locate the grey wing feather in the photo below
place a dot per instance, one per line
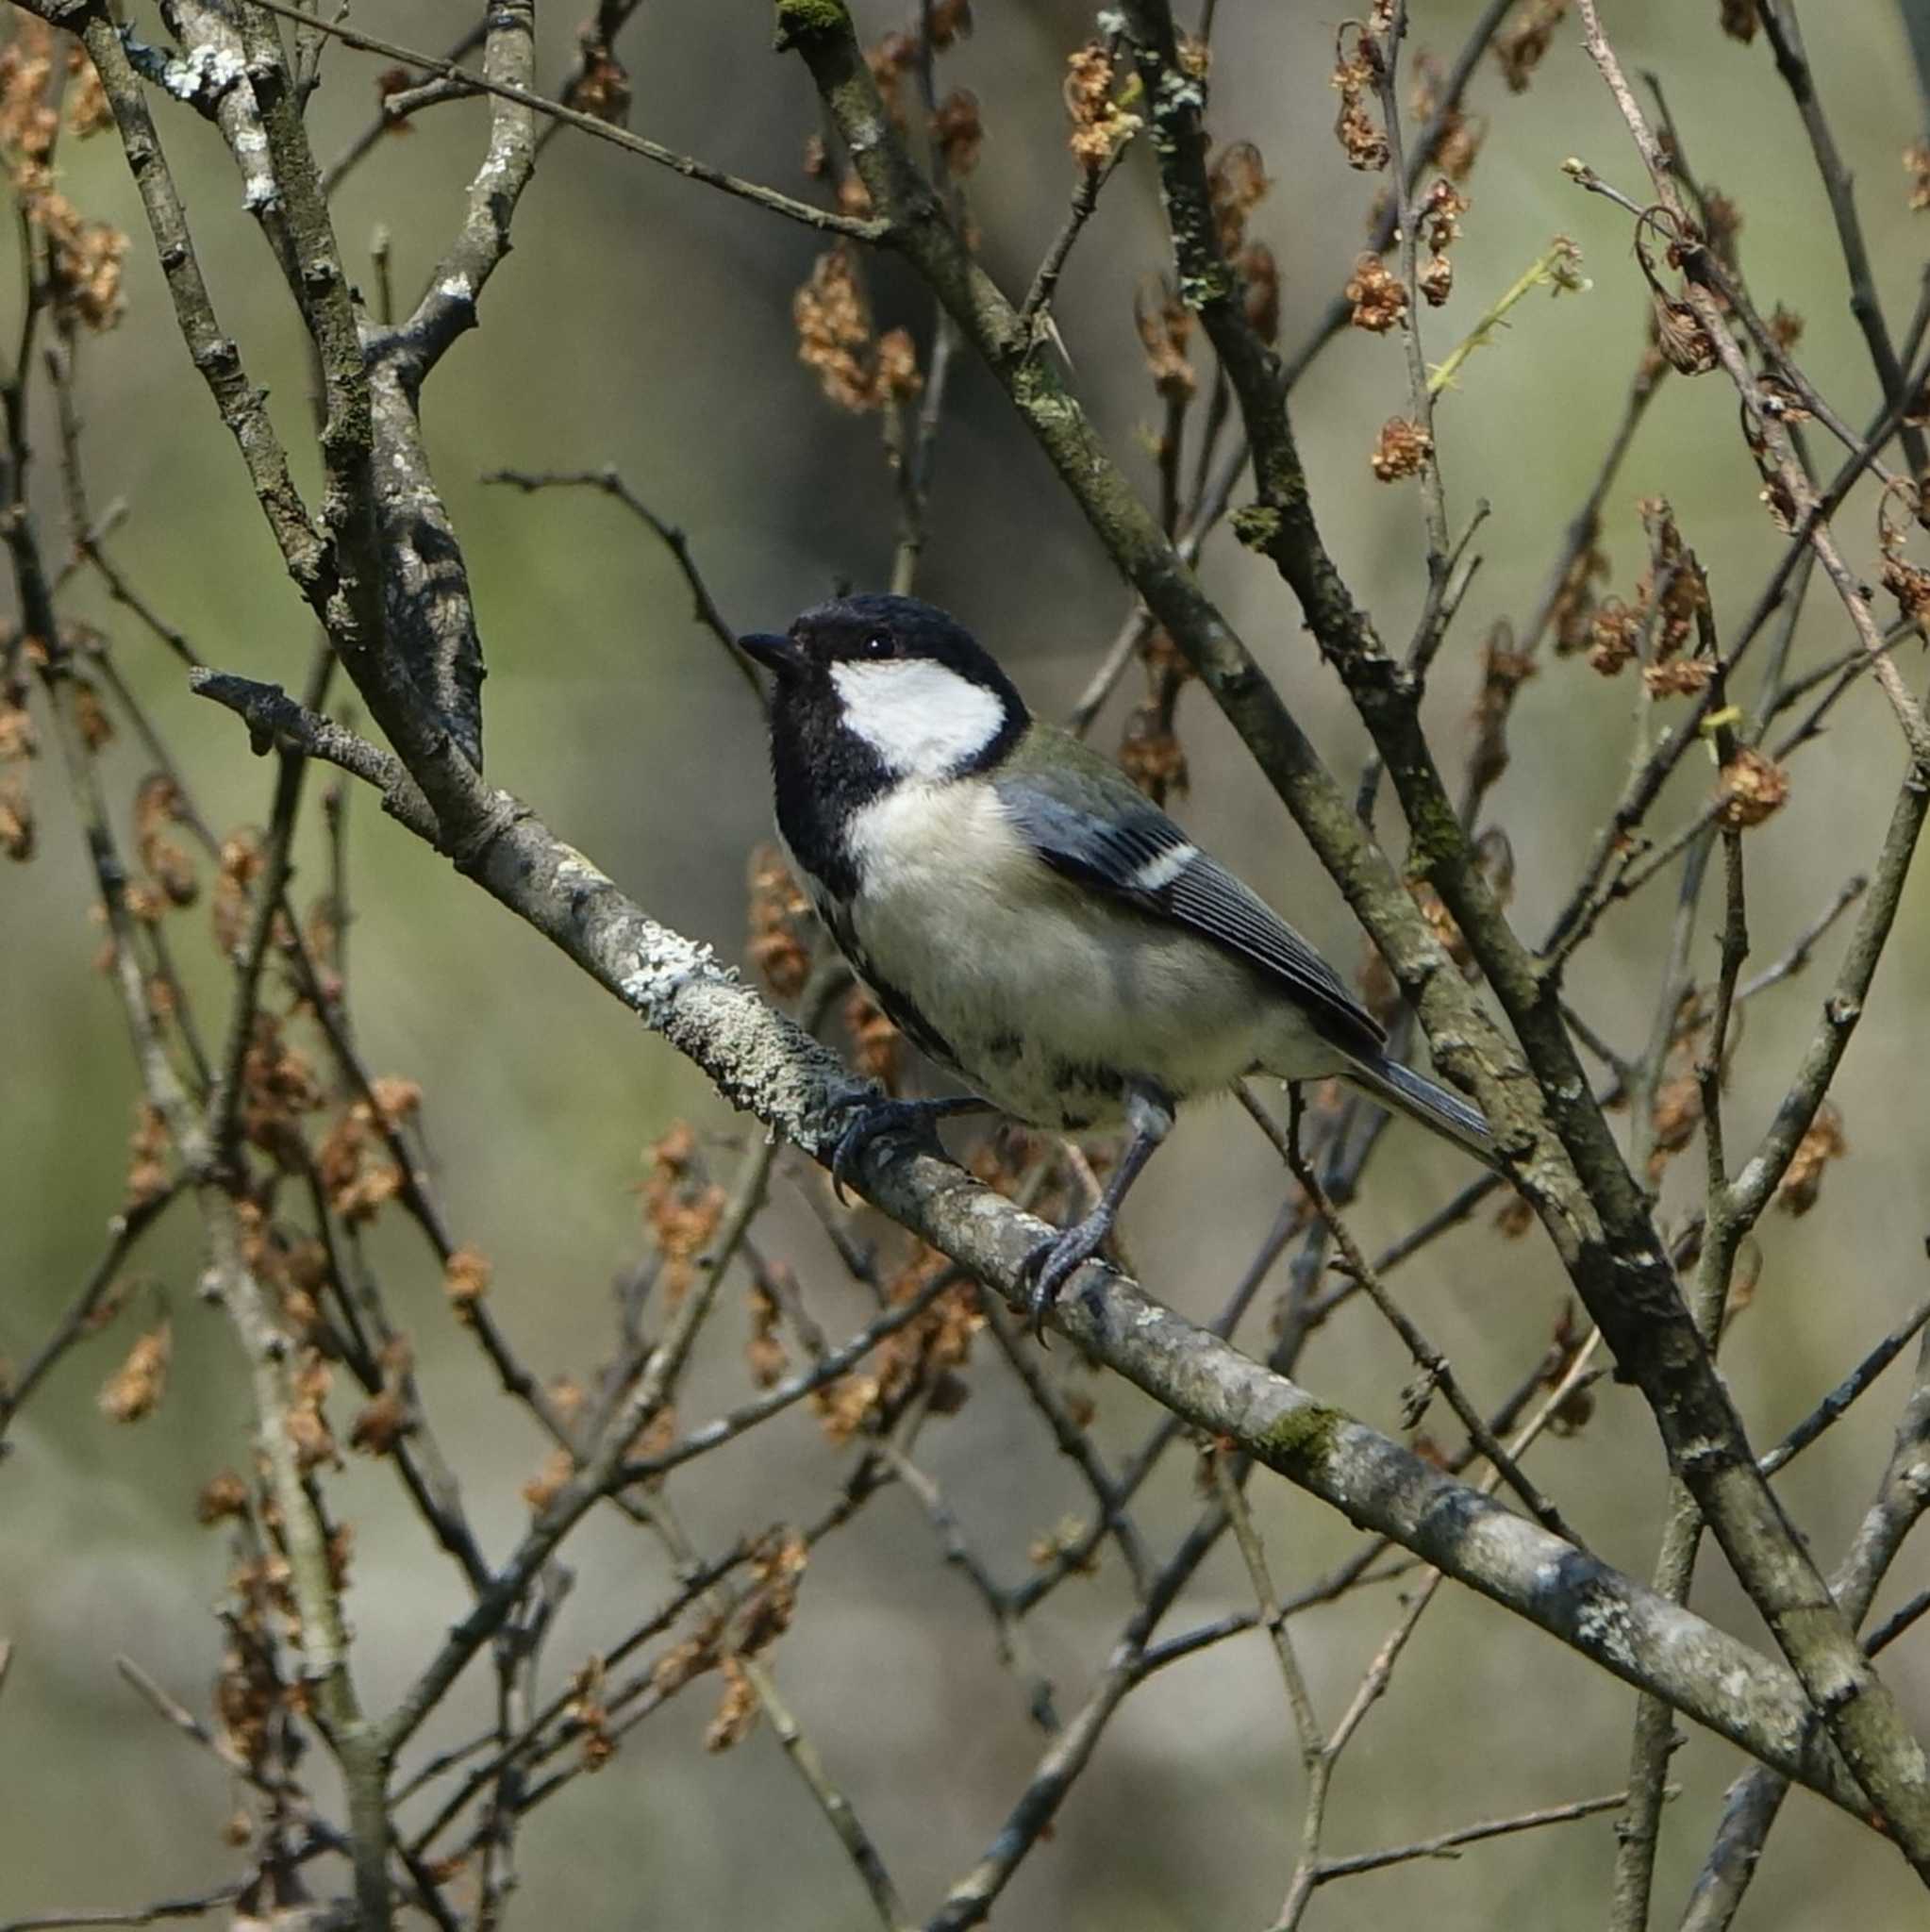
(1122, 853)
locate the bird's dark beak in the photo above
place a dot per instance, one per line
(776, 654)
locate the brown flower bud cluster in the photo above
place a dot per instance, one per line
(1722, 221)
(776, 1569)
(1066, 1539)
(1504, 670)
(1676, 1115)
(1522, 42)
(279, 1087)
(957, 131)
(540, 1492)
(1150, 753)
(384, 1419)
(1679, 334)
(17, 829)
(949, 22)
(1166, 326)
(466, 1276)
(852, 195)
(1099, 124)
(1802, 1181)
(1378, 294)
(1615, 634)
(158, 807)
(893, 60)
(781, 922)
(765, 1355)
(586, 1709)
(834, 339)
(18, 737)
(1669, 597)
(1572, 613)
(1751, 788)
(1917, 166)
(1678, 1111)
(1673, 586)
(1400, 449)
(354, 1162)
(896, 58)
(1440, 218)
(1356, 76)
(248, 1694)
(681, 1207)
(1461, 134)
(231, 905)
(83, 259)
(1236, 183)
(926, 1353)
(88, 113)
(600, 88)
(1785, 328)
(308, 1416)
(877, 1048)
(1681, 678)
(224, 1497)
(778, 1564)
(133, 1390)
(91, 723)
(147, 1157)
(1908, 582)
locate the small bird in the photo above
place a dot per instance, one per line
(1031, 919)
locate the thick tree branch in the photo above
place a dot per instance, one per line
(760, 1061)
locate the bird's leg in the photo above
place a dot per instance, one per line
(1054, 1262)
(879, 1116)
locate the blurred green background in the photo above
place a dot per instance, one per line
(645, 322)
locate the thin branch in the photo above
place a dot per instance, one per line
(766, 198)
(1839, 1400)
(1035, 312)
(1448, 1843)
(673, 539)
(1429, 1359)
(125, 1231)
(1785, 36)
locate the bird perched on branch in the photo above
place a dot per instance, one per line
(1029, 918)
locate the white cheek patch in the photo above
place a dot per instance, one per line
(922, 718)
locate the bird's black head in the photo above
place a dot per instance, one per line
(872, 692)
(874, 628)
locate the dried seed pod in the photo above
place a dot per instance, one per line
(1520, 45)
(1400, 449)
(1379, 295)
(1682, 338)
(959, 131)
(1752, 787)
(1802, 1181)
(1165, 326)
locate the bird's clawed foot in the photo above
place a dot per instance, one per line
(879, 1118)
(1058, 1259)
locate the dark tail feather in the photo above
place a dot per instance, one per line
(1432, 1104)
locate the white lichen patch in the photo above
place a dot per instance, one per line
(204, 75)
(665, 966)
(1602, 1626)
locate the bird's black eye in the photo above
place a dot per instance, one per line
(878, 644)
